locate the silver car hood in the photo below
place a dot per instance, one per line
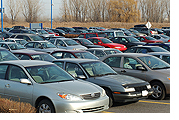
(120, 79)
(73, 87)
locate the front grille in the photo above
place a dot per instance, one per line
(96, 109)
(91, 96)
(140, 88)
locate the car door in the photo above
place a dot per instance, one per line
(129, 66)
(60, 44)
(3, 69)
(14, 89)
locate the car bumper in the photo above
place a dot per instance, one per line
(131, 96)
(167, 87)
(86, 106)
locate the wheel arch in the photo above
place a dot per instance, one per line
(156, 80)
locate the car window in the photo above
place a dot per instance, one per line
(23, 57)
(130, 50)
(29, 45)
(113, 61)
(130, 63)
(4, 46)
(5, 55)
(59, 63)
(58, 55)
(90, 35)
(81, 36)
(37, 45)
(74, 69)
(68, 55)
(60, 43)
(99, 53)
(166, 58)
(141, 50)
(3, 69)
(16, 73)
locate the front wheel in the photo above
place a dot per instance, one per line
(159, 91)
(45, 106)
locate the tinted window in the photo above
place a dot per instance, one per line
(29, 45)
(73, 69)
(3, 69)
(113, 61)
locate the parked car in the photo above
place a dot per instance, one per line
(27, 37)
(51, 32)
(101, 52)
(162, 37)
(5, 55)
(67, 43)
(18, 27)
(163, 45)
(12, 46)
(114, 33)
(59, 54)
(146, 30)
(119, 88)
(89, 35)
(21, 31)
(148, 39)
(59, 31)
(33, 55)
(66, 29)
(137, 33)
(86, 43)
(128, 41)
(43, 46)
(20, 41)
(107, 43)
(42, 33)
(145, 49)
(49, 88)
(162, 55)
(143, 66)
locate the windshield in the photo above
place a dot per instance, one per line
(48, 74)
(36, 38)
(112, 51)
(42, 32)
(154, 62)
(44, 57)
(86, 42)
(132, 39)
(16, 46)
(48, 45)
(22, 42)
(105, 40)
(98, 69)
(158, 49)
(6, 55)
(71, 42)
(86, 55)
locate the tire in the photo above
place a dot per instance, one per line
(109, 94)
(159, 91)
(45, 106)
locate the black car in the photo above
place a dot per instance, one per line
(66, 29)
(128, 41)
(145, 49)
(86, 43)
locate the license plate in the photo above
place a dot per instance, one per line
(144, 93)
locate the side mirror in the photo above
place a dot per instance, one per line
(140, 68)
(81, 77)
(25, 81)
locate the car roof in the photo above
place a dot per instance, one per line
(29, 52)
(75, 60)
(26, 63)
(9, 42)
(72, 51)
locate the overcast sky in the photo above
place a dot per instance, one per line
(47, 6)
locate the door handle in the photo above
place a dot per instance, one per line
(8, 86)
(123, 71)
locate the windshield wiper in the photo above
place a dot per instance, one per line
(55, 81)
(105, 74)
(160, 68)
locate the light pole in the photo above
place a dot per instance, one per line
(51, 13)
(1, 16)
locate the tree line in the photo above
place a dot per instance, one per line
(94, 10)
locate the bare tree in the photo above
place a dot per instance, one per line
(32, 9)
(13, 8)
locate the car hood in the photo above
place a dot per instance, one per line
(120, 79)
(73, 87)
(139, 43)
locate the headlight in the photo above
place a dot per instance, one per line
(103, 93)
(148, 86)
(129, 89)
(69, 97)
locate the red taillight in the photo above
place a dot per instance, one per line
(168, 40)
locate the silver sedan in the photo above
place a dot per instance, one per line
(49, 88)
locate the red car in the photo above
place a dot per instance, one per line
(51, 32)
(33, 55)
(148, 39)
(88, 35)
(107, 43)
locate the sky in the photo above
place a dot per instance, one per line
(47, 6)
